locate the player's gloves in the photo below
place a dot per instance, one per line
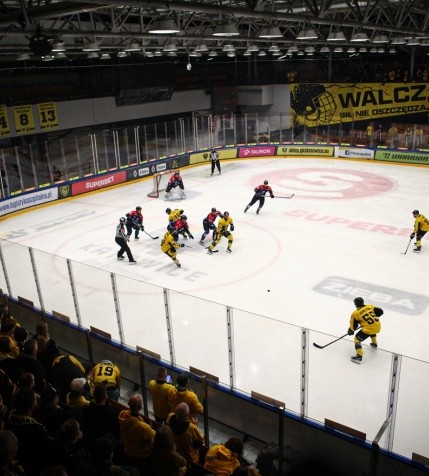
(350, 332)
(232, 227)
(141, 227)
(412, 236)
(182, 245)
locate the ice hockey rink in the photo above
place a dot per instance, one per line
(301, 261)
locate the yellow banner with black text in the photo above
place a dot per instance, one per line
(332, 103)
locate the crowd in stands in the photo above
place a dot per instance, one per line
(62, 417)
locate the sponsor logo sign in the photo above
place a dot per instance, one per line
(404, 157)
(103, 181)
(354, 153)
(396, 300)
(28, 200)
(64, 191)
(306, 150)
(256, 151)
(314, 182)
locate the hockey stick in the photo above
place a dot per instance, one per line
(153, 237)
(336, 340)
(290, 196)
(409, 243)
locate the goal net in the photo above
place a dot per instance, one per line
(160, 181)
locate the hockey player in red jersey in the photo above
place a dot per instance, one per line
(260, 193)
(175, 181)
(208, 224)
(135, 221)
(181, 227)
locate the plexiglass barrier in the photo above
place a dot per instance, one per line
(77, 155)
(247, 352)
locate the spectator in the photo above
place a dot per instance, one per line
(34, 442)
(7, 362)
(223, 459)
(137, 436)
(75, 400)
(99, 462)
(165, 460)
(182, 393)
(54, 471)
(47, 348)
(108, 373)
(419, 136)
(20, 335)
(6, 397)
(68, 446)
(393, 135)
(48, 412)
(159, 389)
(245, 470)
(27, 362)
(7, 330)
(8, 450)
(186, 434)
(64, 369)
(100, 419)
(5, 312)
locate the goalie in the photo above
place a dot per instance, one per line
(134, 222)
(174, 182)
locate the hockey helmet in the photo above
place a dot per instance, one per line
(122, 220)
(181, 211)
(359, 302)
(138, 208)
(177, 172)
(265, 182)
(416, 212)
(184, 217)
(225, 213)
(168, 210)
(213, 210)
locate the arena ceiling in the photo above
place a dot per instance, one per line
(106, 29)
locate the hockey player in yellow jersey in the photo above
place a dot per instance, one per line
(222, 230)
(421, 227)
(366, 319)
(108, 374)
(169, 246)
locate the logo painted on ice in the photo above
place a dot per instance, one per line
(327, 183)
(387, 298)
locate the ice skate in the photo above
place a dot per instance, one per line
(229, 250)
(373, 346)
(257, 211)
(120, 257)
(209, 251)
(417, 249)
(245, 210)
(201, 242)
(133, 261)
(357, 359)
(178, 264)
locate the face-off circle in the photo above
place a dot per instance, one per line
(325, 184)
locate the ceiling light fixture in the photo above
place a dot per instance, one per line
(164, 27)
(309, 34)
(359, 36)
(226, 29)
(378, 39)
(336, 36)
(23, 57)
(91, 47)
(133, 47)
(59, 47)
(270, 32)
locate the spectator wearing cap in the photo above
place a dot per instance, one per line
(27, 362)
(159, 390)
(8, 330)
(109, 374)
(8, 450)
(34, 442)
(48, 411)
(75, 400)
(182, 393)
(186, 434)
(64, 369)
(99, 461)
(137, 436)
(100, 419)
